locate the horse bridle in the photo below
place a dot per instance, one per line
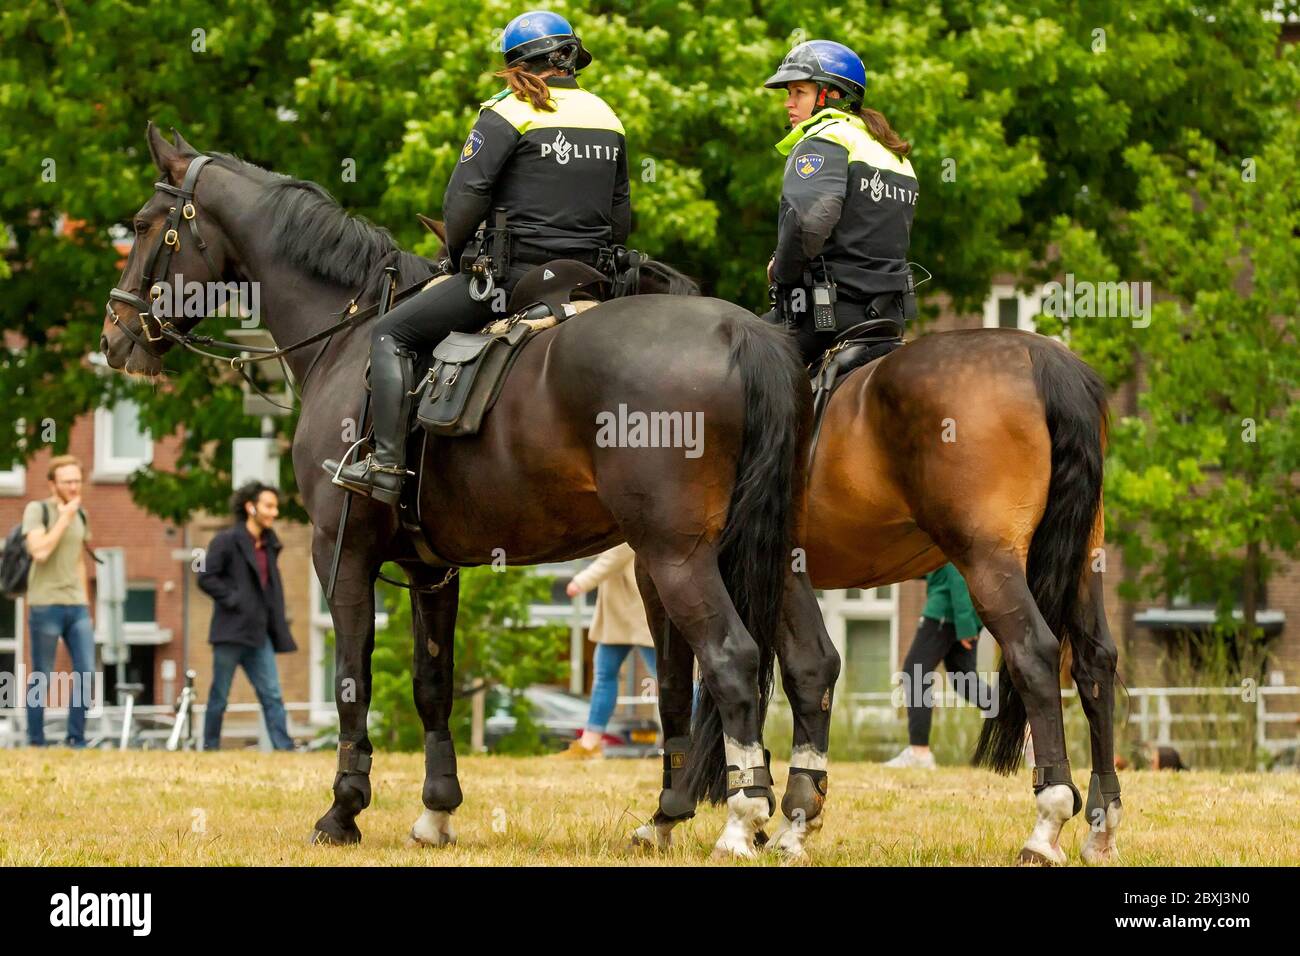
(155, 268)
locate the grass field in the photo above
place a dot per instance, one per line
(59, 807)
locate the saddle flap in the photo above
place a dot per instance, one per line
(466, 377)
(461, 347)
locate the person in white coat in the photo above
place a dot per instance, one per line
(619, 625)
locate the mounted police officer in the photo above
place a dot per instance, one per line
(847, 203)
(545, 167)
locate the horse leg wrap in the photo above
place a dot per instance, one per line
(675, 802)
(353, 760)
(352, 782)
(805, 793)
(755, 781)
(441, 787)
(1058, 774)
(1103, 789)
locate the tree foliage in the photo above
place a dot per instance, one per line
(1048, 136)
(1201, 488)
(494, 646)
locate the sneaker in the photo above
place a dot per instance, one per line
(576, 751)
(908, 758)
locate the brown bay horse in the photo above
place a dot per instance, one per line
(983, 447)
(712, 530)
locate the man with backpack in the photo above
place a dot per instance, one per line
(58, 598)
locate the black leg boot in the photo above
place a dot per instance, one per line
(380, 475)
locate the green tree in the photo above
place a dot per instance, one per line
(1019, 113)
(1201, 487)
(494, 646)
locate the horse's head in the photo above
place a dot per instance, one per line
(175, 244)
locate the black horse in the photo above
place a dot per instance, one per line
(541, 482)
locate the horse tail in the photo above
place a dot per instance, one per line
(754, 549)
(1074, 401)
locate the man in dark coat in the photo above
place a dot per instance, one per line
(249, 628)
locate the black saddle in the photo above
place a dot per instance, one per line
(554, 285)
(854, 347)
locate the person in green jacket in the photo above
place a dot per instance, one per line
(948, 632)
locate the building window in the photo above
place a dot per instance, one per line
(13, 481)
(1008, 308)
(867, 657)
(11, 629)
(141, 605)
(121, 444)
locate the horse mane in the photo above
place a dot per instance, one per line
(313, 232)
(679, 283)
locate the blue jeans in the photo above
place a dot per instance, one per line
(48, 623)
(259, 665)
(606, 663)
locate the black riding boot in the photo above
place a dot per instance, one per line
(380, 475)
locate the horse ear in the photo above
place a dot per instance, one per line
(179, 141)
(436, 226)
(172, 161)
(163, 152)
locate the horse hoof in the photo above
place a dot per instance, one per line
(1031, 857)
(441, 840)
(1099, 855)
(726, 852)
(347, 837)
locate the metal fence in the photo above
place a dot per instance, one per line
(152, 725)
(1159, 715)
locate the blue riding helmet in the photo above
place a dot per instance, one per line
(825, 63)
(539, 32)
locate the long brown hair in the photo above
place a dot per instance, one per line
(528, 87)
(883, 132)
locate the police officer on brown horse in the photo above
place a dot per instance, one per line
(545, 167)
(847, 203)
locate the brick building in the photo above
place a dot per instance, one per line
(872, 629)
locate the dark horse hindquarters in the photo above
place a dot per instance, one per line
(741, 415)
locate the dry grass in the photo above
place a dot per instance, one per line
(60, 807)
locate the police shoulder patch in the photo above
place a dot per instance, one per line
(472, 145)
(808, 164)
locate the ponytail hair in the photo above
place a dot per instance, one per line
(528, 87)
(883, 132)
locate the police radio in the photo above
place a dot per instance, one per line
(822, 286)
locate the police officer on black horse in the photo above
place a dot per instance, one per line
(545, 167)
(847, 203)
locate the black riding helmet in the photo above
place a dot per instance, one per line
(826, 63)
(542, 35)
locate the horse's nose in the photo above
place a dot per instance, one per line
(103, 343)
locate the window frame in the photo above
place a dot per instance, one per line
(108, 466)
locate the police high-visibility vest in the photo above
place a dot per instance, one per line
(561, 176)
(847, 198)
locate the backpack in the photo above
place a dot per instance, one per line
(15, 562)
